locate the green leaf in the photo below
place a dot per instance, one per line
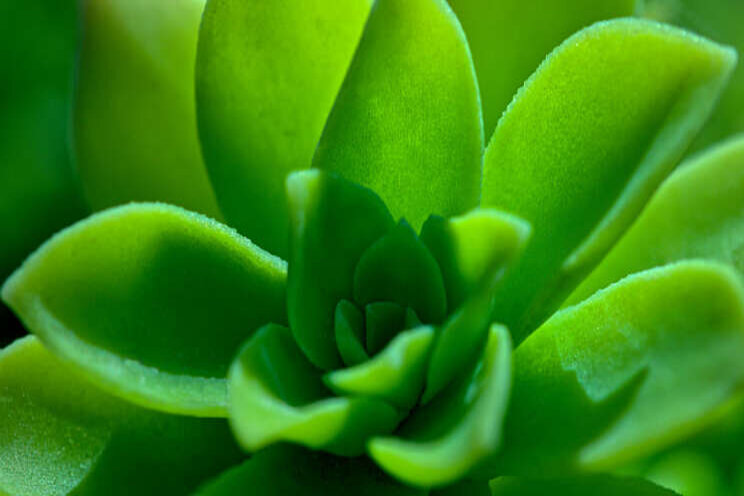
(348, 326)
(696, 213)
(688, 473)
(135, 136)
(151, 301)
(383, 320)
(288, 470)
(266, 78)
(399, 268)
(276, 395)
(584, 144)
(509, 39)
(632, 369)
(443, 441)
(395, 375)
(407, 121)
(333, 221)
(60, 435)
(587, 485)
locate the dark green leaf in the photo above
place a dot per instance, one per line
(588, 485)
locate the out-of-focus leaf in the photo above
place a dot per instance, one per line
(636, 367)
(688, 473)
(333, 222)
(698, 212)
(289, 470)
(587, 485)
(276, 395)
(510, 38)
(266, 78)
(444, 440)
(151, 301)
(61, 435)
(584, 144)
(407, 121)
(135, 117)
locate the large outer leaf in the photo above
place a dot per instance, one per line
(151, 301)
(509, 39)
(267, 74)
(60, 435)
(697, 213)
(585, 143)
(636, 367)
(407, 121)
(135, 123)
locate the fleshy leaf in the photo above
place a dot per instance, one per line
(333, 221)
(585, 143)
(267, 75)
(509, 39)
(447, 438)
(400, 269)
(407, 122)
(586, 485)
(696, 213)
(151, 301)
(135, 130)
(472, 247)
(395, 375)
(383, 320)
(688, 473)
(289, 470)
(634, 368)
(348, 326)
(60, 435)
(276, 395)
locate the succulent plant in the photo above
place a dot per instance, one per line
(331, 283)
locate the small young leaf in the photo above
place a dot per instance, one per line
(266, 77)
(634, 368)
(151, 301)
(348, 326)
(134, 117)
(447, 438)
(61, 435)
(333, 221)
(586, 485)
(276, 395)
(383, 320)
(698, 212)
(407, 122)
(585, 143)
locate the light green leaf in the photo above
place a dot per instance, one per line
(698, 212)
(135, 136)
(151, 301)
(587, 485)
(395, 375)
(399, 268)
(443, 441)
(632, 369)
(61, 435)
(276, 395)
(289, 470)
(407, 121)
(267, 74)
(333, 221)
(510, 38)
(348, 326)
(584, 144)
(688, 473)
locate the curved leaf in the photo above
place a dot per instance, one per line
(688, 473)
(587, 485)
(407, 121)
(276, 395)
(60, 435)
(633, 368)
(284, 470)
(443, 441)
(134, 116)
(266, 77)
(585, 143)
(333, 221)
(395, 375)
(348, 326)
(698, 212)
(510, 38)
(151, 301)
